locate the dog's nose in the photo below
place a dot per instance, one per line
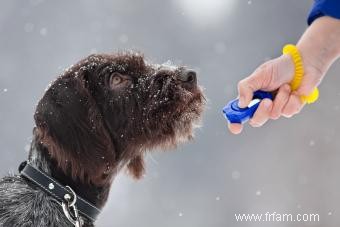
(188, 76)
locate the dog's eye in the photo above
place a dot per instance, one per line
(118, 80)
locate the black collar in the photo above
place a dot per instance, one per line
(57, 190)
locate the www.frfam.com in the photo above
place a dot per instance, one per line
(276, 217)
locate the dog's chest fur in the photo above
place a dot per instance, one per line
(23, 206)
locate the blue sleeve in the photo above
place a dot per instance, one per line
(324, 8)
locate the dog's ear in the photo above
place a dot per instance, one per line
(70, 124)
(135, 167)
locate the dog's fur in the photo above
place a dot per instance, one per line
(101, 115)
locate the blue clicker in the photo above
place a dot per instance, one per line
(235, 114)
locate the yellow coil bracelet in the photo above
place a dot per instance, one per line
(299, 73)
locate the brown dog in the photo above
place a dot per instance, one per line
(101, 115)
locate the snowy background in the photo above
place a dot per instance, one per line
(287, 166)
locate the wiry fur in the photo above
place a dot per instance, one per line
(23, 204)
(89, 126)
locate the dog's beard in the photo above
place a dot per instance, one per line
(190, 114)
(182, 110)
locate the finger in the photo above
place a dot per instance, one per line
(280, 101)
(293, 106)
(262, 113)
(235, 128)
(249, 85)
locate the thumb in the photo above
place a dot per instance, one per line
(249, 85)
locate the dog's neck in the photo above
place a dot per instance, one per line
(40, 158)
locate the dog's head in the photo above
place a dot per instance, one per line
(105, 111)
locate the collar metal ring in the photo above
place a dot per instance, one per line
(69, 208)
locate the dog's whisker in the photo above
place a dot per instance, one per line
(152, 159)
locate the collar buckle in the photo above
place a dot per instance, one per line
(70, 209)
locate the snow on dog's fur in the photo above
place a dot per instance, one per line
(100, 116)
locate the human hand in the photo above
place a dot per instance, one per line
(275, 75)
(319, 47)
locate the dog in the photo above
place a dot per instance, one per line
(99, 117)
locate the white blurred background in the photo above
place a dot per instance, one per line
(287, 166)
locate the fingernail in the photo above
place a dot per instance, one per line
(267, 103)
(241, 102)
